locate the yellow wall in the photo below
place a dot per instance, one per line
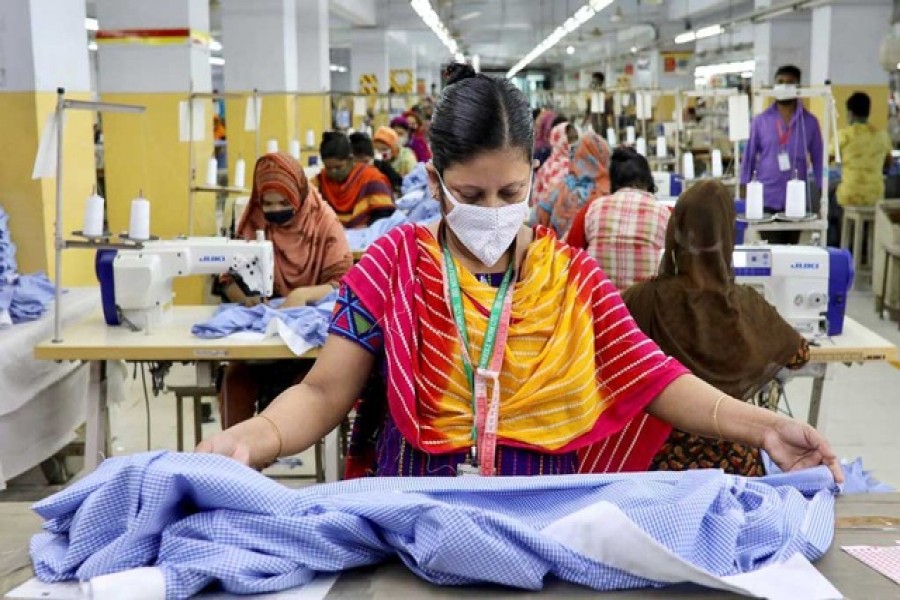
(143, 153)
(284, 118)
(31, 204)
(878, 116)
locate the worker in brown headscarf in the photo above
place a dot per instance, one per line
(726, 334)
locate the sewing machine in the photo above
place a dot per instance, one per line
(136, 285)
(807, 285)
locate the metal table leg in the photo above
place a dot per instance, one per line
(815, 398)
(96, 443)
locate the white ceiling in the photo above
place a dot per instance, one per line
(502, 31)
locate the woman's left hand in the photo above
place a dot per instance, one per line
(794, 445)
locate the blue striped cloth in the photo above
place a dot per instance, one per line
(204, 518)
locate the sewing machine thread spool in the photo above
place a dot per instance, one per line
(661, 149)
(795, 205)
(272, 146)
(240, 173)
(212, 172)
(687, 165)
(641, 146)
(139, 225)
(294, 149)
(93, 216)
(310, 138)
(611, 137)
(717, 169)
(629, 135)
(754, 200)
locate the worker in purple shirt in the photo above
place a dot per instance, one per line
(781, 139)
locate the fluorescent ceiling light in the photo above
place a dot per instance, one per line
(337, 68)
(711, 31)
(91, 24)
(215, 45)
(581, 16)
(426, 12)
(743, 67)
(570, 50)
(700, 34)
(216, 61)
(92, 46)
(470, 15)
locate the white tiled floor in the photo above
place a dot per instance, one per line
(860, 410)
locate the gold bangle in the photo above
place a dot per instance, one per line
(277, 434)
(715, 415)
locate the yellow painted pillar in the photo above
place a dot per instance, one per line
(51, 51)
(845, 44)
(154, 54)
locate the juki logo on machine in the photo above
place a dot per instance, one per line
(209, 258)
(805, 266)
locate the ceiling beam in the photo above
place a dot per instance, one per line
(360, 13)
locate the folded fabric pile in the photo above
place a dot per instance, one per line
(416, 180)
(23, 298)
(420, 207)
(360, 239)
(309, 323)
(196, 520)
(857, 480)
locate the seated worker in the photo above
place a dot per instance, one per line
(626, 231)
(364, 154)
(865, 152)
(311, 257)
(572, 368)
(588, 178)
(359, 194)
(726, 334)
(555, 169)
(418, 140)
(401, 158)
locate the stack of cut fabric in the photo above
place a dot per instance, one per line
(186, 521)
(22, 297)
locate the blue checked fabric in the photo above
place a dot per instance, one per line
(204, 518)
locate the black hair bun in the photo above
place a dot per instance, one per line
(457, 72)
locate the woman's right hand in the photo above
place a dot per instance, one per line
(227, 443)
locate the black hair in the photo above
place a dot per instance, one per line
(335, 145)
(534, 113)
(628, 169)
(478, 113)
(598, 76)
(859, 104)
(790, 70)
(361, 145)
(558, 120)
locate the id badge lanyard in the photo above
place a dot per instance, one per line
(784, 138)
(485, 415)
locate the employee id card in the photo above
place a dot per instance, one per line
(784, 161)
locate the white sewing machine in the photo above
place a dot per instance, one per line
(142, 278)
(793, 279)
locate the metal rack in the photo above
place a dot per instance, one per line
(193, 188)
(95, 243)
(717, 93)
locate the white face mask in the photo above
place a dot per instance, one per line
(404, 140)
(785, 91)
(381, 156)
(486, 232)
